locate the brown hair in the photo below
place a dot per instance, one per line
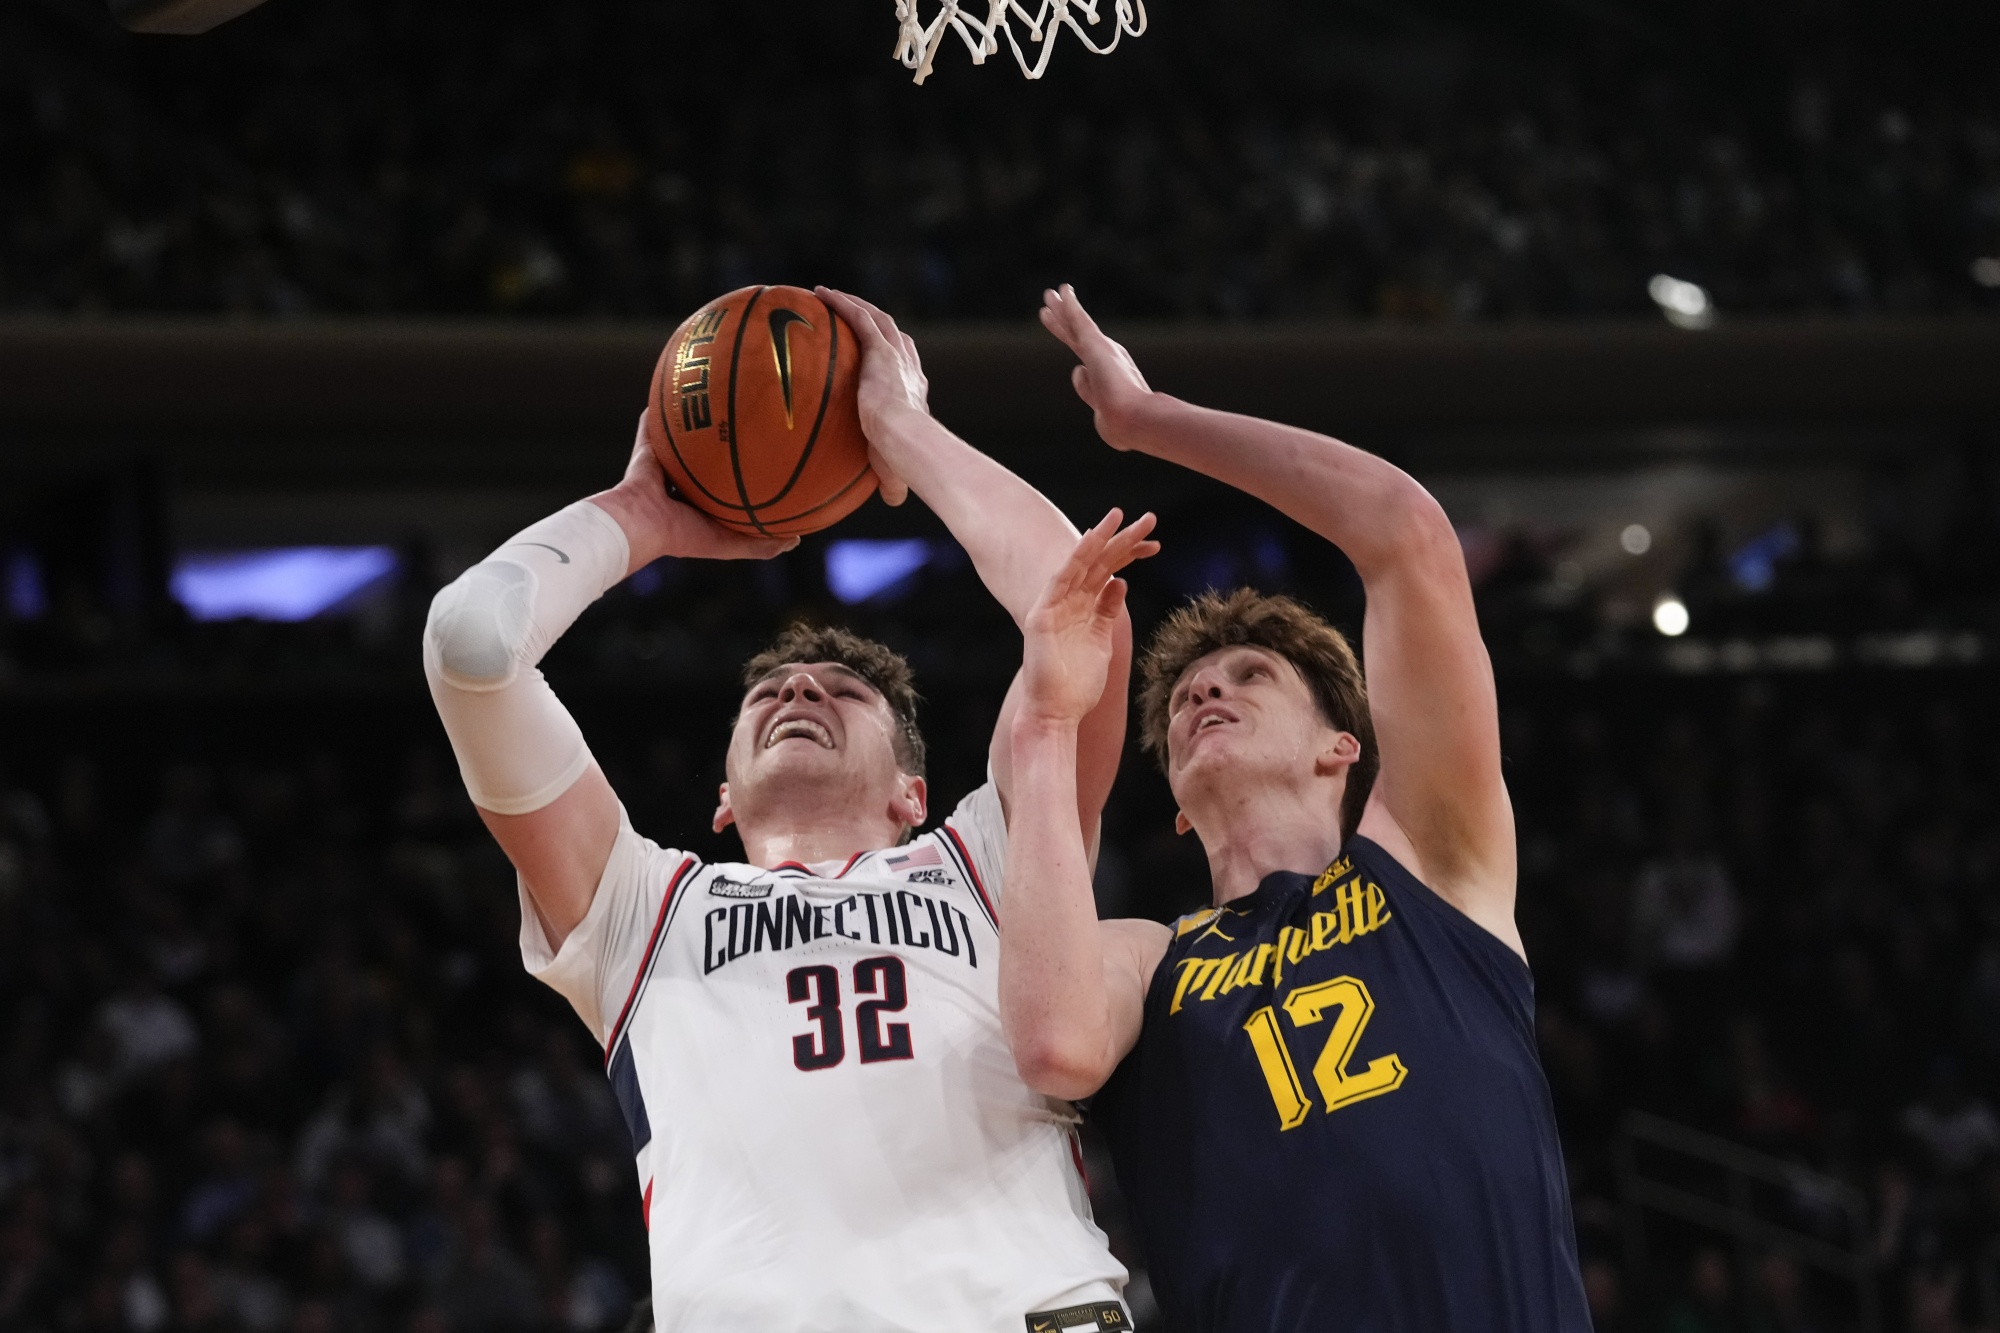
(878, 664)
(1319, 652)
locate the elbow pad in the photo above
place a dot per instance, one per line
(478, 626)
(518, 748)
(506, 611)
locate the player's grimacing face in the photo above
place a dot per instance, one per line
(818, 720)
(1241, 707)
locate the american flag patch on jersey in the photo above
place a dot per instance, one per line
(924, 856)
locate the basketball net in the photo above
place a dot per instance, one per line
(917, 43)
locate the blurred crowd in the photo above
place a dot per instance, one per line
(269, 1061)
(1772, 910)
(1443, 161)
(269, 1065)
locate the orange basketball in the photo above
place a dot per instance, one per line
(754, 415)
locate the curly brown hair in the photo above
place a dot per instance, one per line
(1319, 652)
(877, 663)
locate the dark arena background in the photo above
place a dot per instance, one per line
(1688, 312)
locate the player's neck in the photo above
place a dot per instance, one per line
(1247, 840)
(810, 844)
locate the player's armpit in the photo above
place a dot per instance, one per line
(1133, 949)
(1073, 1059)
(560, 850)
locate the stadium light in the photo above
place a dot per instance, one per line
(288, 583)
(27, 598)
(1986, 270)
(1670, 616)
(1636, 539)
(857, 570)
(1685, 304)
(1753, 567)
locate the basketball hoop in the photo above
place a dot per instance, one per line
(917, 43)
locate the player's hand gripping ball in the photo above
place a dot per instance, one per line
(754, 414)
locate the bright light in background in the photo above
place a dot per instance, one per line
(1636, 539)
(27, 598)
(1986, 270)
(289, 583)
(1670, 616)
(1753, 567)
(1685, 304)
(857, 570)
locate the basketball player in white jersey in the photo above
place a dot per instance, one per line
(830, 1131)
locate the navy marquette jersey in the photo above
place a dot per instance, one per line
(1335, 1119)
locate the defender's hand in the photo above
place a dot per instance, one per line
(1109, 379)
(656, 524)
(1068, 633)
(892, 381)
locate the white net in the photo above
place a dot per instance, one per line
(917, 43)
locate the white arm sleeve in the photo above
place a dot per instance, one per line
(517, 746)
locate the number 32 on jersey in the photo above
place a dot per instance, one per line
(818, 988)
(1347, 999)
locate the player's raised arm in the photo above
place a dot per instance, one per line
(1439, 803)
(524, 761)
(1072, 989)
(1017, 539)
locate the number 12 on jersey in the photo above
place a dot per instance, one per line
(1352, 1006)
(818, 988)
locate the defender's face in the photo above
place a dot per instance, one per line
(816, 724)
(1240, 710)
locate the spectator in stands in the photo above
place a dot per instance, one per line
(1605, 1290)
(372, 159)
(1782, 1306)
(1956, 1130)
(1708, 1304)
(1684, 908)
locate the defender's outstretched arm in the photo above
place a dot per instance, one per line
(523, 759)
(1016, 538)
(1439, 804)
(1072, 988)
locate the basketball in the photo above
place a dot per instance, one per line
(753, 413)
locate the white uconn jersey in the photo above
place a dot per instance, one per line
(831, 1132)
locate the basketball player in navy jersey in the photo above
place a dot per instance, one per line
(1322, 1093)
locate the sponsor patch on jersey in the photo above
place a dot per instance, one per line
(722, 887)
(928, 877)
(1103, 1317)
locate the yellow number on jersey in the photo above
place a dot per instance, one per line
(1337, 1086)
(1279, 1071)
